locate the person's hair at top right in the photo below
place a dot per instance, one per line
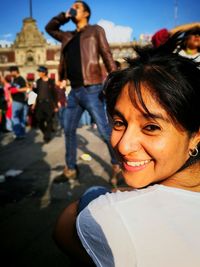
(171, 78)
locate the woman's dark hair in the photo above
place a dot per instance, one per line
(8, 78)
(171, 78)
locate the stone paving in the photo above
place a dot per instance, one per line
(30, 202)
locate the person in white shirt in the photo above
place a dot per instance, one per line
(155, 112)
(191, 44)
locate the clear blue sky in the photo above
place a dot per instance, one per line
(142, 16)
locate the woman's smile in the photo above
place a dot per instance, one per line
(135, 165)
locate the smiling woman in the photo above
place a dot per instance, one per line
(155, 113)
(161, 115)
(154, 107)
(147, 143)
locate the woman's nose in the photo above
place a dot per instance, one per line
(129, 143)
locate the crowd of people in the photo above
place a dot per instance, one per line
(148, 115)
(19, 109)
(35, 115)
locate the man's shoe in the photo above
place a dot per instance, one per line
(66, 176)
(70, 173)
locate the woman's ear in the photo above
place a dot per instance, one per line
(195, 140)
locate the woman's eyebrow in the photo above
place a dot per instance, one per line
(116, 112)
(155, 116)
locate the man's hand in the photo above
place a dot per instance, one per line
(67, 13)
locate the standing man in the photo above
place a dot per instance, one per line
(80, 53)
(19, 103)
(46, 102)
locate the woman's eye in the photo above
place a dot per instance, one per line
(117, 124)
(152, 127)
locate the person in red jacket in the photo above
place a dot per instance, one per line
(8, 98)
(19, 103)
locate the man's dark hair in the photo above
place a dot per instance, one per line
(42, 69)
(14, 68)
(8, 78)
(86, 8)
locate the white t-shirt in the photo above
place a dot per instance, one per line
(154, 227)
(196, 57)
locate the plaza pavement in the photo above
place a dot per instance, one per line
(30, 202)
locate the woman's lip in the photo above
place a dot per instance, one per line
(136, 165)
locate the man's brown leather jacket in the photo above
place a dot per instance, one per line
(93, 44)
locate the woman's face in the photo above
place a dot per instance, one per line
(193, 41)
(151, 149)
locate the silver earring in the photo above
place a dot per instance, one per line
(193, 152)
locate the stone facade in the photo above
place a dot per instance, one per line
(31, 49)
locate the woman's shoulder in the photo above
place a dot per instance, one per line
(111, 200)
(137, 197)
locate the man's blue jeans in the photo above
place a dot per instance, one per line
(61, 114)
(19, 113)
(80, 99)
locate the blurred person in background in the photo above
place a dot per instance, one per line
(190, 47)
(6, 83)
(3, 107)
(19, 103)
(46, 103)
(161, 36)
(62, 101)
